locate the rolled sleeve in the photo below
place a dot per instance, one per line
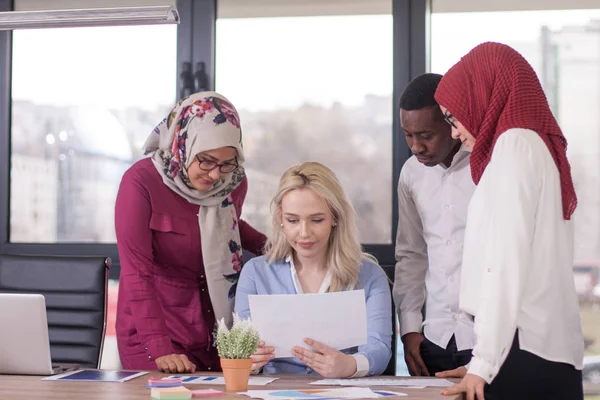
(411, 262)
(362, 366)
(410, 322)
(158, 347)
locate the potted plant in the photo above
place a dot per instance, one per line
(235, 346)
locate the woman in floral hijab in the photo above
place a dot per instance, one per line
(180, 237)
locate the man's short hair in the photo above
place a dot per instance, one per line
(419, 92)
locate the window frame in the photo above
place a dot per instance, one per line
(410, 59)
(196, 42)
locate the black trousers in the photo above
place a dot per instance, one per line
(525, 376)
(438, 359)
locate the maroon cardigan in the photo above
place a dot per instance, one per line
(163, 304)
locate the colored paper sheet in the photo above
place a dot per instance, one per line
(219, 380)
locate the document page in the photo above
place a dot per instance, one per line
(338, 320)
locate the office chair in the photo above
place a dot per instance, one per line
(391, 368)
(75, 289)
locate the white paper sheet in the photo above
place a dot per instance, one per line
(413, 383)
(338, 320)
(308, 394)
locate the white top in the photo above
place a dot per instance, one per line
(298, 286)
(518, 259)
(432, 203)
(362, 362)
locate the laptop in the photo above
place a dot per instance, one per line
(24, 343)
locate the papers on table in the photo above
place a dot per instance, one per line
(386, 393)
(412, 383)
(338, 320)
(219, 380)
(300, 394)
(163, 383)
(172, 389)
(96, 375)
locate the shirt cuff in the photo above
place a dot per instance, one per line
(483, 369)
(410, 322)
(362, 365)
(158, 347)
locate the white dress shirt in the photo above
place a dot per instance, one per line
(433, 204)
(518, 259)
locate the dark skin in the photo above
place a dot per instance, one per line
(429, 137)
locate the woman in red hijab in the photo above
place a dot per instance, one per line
(517, 278)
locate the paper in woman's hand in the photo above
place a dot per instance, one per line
(338, 320)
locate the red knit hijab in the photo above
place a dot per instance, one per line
(493, 89)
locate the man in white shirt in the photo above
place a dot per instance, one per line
(434, 191)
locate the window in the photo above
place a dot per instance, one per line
(83, 102)
(563, 46)
(313, 88)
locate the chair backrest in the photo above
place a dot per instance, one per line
(75, 290)
(391, 368)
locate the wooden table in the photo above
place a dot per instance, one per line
(19, 387)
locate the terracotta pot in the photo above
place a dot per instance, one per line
(236, 374)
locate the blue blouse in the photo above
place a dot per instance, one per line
(259, 277)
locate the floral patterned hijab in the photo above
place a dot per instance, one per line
(201, 122)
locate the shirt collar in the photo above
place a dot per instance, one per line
(462, 153)
(324, 285)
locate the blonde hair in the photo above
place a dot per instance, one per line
(344, 252)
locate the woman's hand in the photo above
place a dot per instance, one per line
(327, 362)
(175, 363)
(262, 356)
(471, 384)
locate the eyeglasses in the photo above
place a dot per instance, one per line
(449, 119)
(207, 165)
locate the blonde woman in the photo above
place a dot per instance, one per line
(314, 248)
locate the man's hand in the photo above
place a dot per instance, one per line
(412, 354)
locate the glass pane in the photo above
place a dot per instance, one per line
(313, 88)
(83, 102)
(563, 46)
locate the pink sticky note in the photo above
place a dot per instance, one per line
(206, 392)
